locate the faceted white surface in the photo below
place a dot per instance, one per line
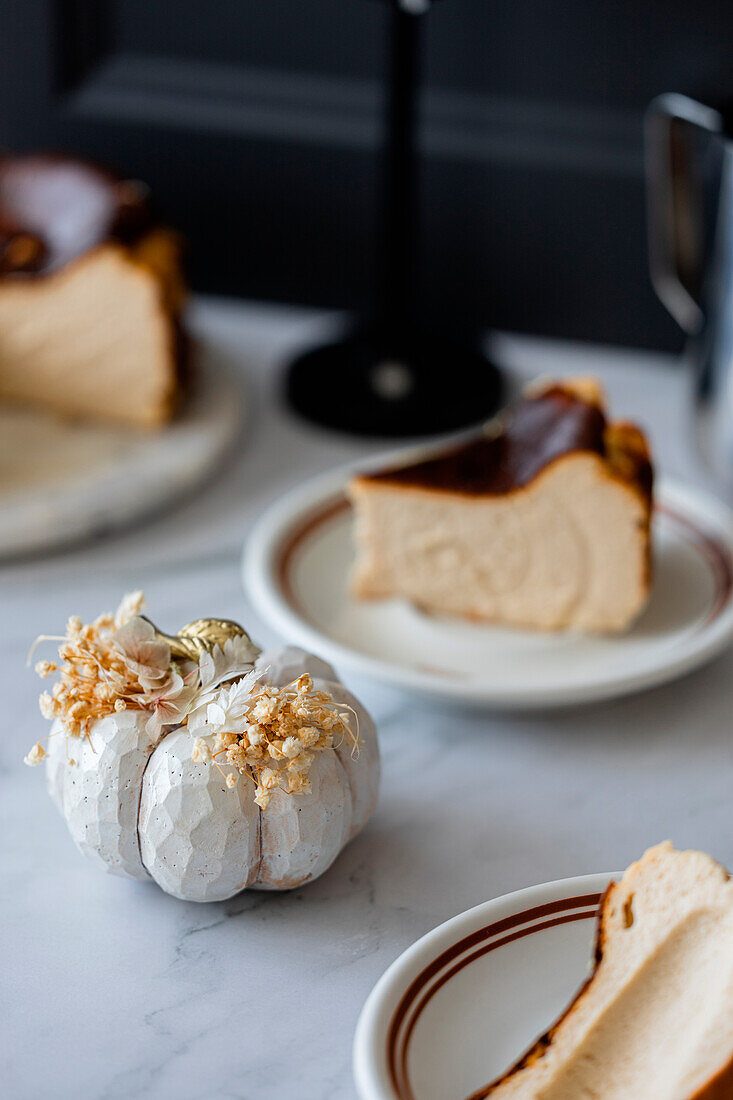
(199, 839)
(56, 763)
(303, 833)
(287, 662)
(362, 768)
(102, 791)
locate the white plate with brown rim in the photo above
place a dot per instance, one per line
(461, 1005)
(296, 568)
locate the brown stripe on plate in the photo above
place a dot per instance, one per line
(295, 538)
(436, 975)
(715, 553)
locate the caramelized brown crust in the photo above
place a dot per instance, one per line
(627, 452)
(538, 430)
(54, 208)
(719, 1087)
(160, 253)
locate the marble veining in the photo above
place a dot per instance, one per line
(112, 990)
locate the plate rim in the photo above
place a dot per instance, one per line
(263, 545)
(369, 1052)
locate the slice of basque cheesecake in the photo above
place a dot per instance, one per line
(655, 1020)
(91, 293)
(542, 521)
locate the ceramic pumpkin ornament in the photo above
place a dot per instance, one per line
(200, 762)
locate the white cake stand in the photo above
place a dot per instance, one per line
(62, 481)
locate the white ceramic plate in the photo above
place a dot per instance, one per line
(464, 1002)
(296, 566)
(62, 481)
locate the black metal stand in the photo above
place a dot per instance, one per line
(391, 377)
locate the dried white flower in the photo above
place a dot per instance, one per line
(255, 734)
(291, 747)
(269, 778)
(146, 655)
(130, 605)
(36, 756)
(201, 752)
(301, 763)
(46, 704)
(266, 709)
(309, 736)
(226, 662)
(170, 705)
(262, 798)
(223, 708)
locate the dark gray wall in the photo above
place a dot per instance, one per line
(256, 123)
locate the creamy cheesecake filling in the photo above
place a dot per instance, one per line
(656, 1019)
(568, 551)
(637, 1037)
(91, 294)
(542, 522)
(90, 340)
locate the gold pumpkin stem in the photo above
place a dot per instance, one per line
(200, 636)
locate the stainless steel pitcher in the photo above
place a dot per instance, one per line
(690, 207)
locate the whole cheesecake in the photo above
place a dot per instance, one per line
(90, 294)
(541, 521)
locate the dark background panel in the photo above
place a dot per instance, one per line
(257, 126)
(328, 36)
(606, 53)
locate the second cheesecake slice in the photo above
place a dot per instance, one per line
(541, 521)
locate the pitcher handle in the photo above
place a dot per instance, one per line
(669, 202)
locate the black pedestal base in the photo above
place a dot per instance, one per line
(359, 386)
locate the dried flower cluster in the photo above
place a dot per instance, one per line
(272, 735)
(115, 663)
(119, 662)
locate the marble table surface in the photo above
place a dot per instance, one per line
(111, 989)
